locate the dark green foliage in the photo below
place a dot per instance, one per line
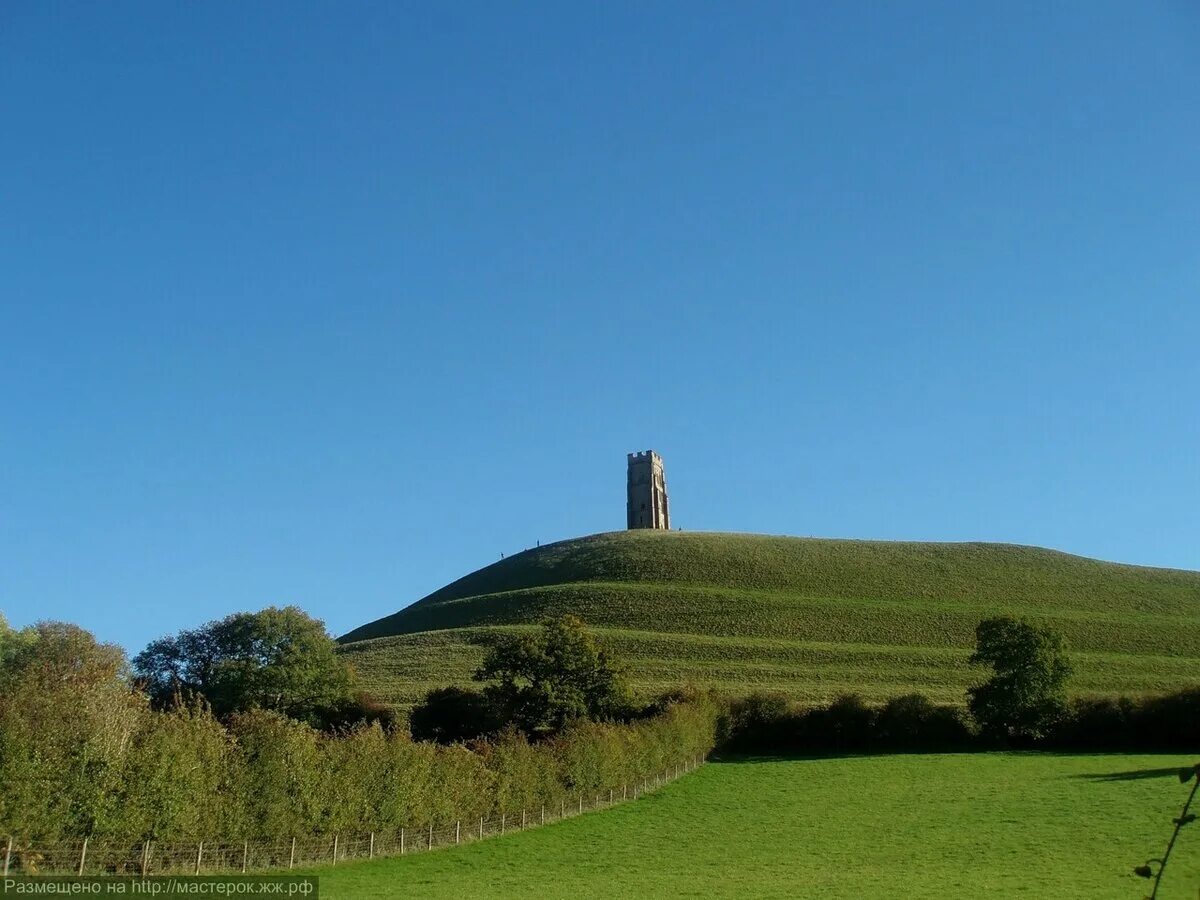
(358, 709)
(278, 659)
(847, 725)
(542, 681)
(761, 722)
(772, 724)
(1169, 722)
(452, 715)
(1025, 698)
(913, 723)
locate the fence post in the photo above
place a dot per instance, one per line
(481, 828)
(543, 822)
(610, 796)
(292, 858)
(430, 847)
(562, 808)
(371, 847)
(335, 839)
(199, 856)
(245, 855)
(522, 820)
(458, 832)
(502, 823)
(581, 801)
(624, 792)
(83, 855)
(401, 841)
(8, 855)
(145, 858)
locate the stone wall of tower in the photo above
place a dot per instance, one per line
(646, 503)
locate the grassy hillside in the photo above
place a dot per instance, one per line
(979, 825)
(810, 617)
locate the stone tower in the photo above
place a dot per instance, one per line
(646, 492)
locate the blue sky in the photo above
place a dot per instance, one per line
(329, 304)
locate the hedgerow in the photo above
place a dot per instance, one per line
(773, 724)
(183, 775)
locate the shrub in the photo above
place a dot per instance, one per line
(912, 722)
(760, 721)
(847, 725)
(279, 782)
(67, 722)
(770, 723)
(1168, 722)
(452, 715)
(116, 769)
(182, 764)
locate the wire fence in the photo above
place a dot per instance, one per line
(97, 857)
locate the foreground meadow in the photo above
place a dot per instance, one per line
(982, 825)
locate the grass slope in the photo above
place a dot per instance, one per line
(809, 617)
(986, 825)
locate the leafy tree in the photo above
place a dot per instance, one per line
(452, 715)
(543, 681)
(1026, 694)
(278, 659)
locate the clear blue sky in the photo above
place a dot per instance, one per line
(329, 304)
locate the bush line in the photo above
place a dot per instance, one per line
(774, 724)
(184, 776)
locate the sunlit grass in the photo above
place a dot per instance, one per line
(810, 618)
(987, 825)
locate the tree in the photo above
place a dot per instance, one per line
(277, 659)
(550, 678)
(1026, 694)
(451, 715)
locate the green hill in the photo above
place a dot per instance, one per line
(810, 617)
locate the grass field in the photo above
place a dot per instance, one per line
(812, 618)
(987, 825)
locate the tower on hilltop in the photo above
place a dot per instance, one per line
(646, 492)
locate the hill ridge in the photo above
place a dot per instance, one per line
(873, 617)
(559, 563)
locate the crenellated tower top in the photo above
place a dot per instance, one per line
(646, 503)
